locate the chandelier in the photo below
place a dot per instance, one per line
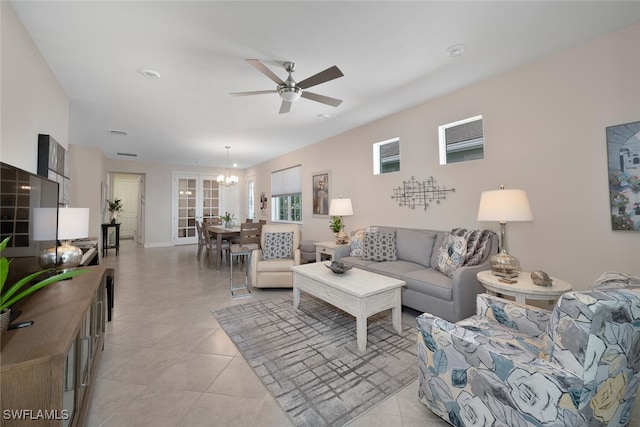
(227, 179)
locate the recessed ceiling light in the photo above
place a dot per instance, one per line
(150, 74)
(456, 50)
(323, 116)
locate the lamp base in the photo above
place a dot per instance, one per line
(505, 265)
(63, 258)
(342, 238)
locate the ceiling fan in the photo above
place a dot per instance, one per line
(291, 91)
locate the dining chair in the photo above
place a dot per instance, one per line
(212, 246)
(249, 239)
(201, 241)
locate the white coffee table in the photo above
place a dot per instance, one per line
(524, 289)
(358, 292)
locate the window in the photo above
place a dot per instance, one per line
(461, 141)
(386, 156)
(286, 195)
(251, 185)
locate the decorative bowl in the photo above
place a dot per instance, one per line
(338, 267)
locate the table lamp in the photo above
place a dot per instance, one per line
(503, 206)
(72, 223)
(341, 207)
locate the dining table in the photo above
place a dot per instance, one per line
(220, 232)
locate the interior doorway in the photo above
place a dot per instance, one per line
(130, 188)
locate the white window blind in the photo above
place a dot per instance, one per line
(286, 181)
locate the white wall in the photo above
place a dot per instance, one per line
(88, 172)
(32, 100)
(544, 127)
(159, 186)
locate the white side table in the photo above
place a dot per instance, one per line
(327, 248)
(523, 289)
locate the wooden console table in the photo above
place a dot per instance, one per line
(48, 369)
(105, 238)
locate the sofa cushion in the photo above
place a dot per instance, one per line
(415, 246)
(394, 268)
(278, 245)
(451, 254)
(430, 282)
(379, 247)
(478, 244)
(357, 240)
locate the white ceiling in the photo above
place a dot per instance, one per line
(393, 56)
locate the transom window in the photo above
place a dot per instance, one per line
(461, 141)
(386, 156)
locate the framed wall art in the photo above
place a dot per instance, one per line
(53, 163)
(321, 182)
(623, 153)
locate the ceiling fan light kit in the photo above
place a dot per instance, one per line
(289, 90)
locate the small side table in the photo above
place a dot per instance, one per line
(105, 238)
(236, 252)
(327, 248)
(523, 289)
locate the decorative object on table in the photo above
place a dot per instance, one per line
(320, 190)
(72, 223)
(338, 267)
(227, 219)
(53, 163)
(504, 205)
(541, 278)
(12, 294)
(227, 179)
(337, 209)
(623, 152)
(279, 355)
(115, 207)
(414, 193)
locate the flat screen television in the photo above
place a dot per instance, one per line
(20, 193)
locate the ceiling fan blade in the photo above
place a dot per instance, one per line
(265, 70)
(323, 76)
(334, 102)
(255, 92)
(285, 107)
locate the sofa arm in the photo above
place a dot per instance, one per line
(256, 256)
(465, 287)
(520, 317)
(341, 252)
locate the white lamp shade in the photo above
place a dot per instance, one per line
(44, 223)
(504, 206)
(73, 223)
(340, 207)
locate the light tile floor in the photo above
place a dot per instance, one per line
(167, 362)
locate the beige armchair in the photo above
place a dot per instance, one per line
(279, 251)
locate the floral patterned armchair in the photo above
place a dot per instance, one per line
(517, 365)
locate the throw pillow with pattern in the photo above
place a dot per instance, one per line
(278, 245)
(451, 254)
(379, 247)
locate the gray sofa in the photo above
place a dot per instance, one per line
(428, 290)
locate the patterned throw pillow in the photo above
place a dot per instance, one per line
(357, 242)
(379, 247)
(451, 254)
(278, 245)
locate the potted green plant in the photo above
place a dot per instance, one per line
(335, 224)
(115, 207)
(15, 292)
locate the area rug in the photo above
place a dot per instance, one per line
(308, 358)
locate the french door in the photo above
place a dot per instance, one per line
(194, 197)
